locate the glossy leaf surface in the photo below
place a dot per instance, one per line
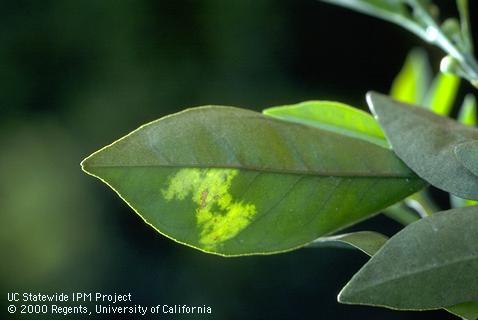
(426, 143)
(332, 116)
(430, 264)
(234, 182)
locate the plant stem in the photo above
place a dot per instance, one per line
(435, 35)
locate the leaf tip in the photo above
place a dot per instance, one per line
(344, 295)
(84, 164)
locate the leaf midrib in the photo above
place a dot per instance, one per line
(269, 170)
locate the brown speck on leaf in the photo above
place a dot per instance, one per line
(203, 199)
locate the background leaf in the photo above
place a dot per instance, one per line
(467, 310)
(467, 113)
(412, 82)
(442, 94)
(430, 264)
(234, 182)
(332, 116)
(426, 143)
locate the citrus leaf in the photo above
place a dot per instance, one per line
(368, 242)
(426, 143)
(234, 182)
(430, 264)
(413, 80)
(332, 116)
(467, 154)
(467, 310)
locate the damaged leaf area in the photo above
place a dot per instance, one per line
(235, 182)
(217, 214)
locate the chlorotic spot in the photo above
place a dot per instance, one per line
(218, 215)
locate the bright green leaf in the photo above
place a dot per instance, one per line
(426, 143)
(441, 97)
(368, 242)
(430, 264)
(234, 182)
(332, 116)
(412, 82)
(467, 114)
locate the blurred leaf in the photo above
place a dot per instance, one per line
(401, 213)
(430, 264)
(457, 202)
(463, 9)
(467, 310)
(368, 242)
(391, 10)
(234, 182)
(441, 97)
(332, 116)
(467, 114)
(44, 203)
(426, 143)
(412, 82)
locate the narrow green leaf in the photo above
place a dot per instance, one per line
(234, 182)
(394, 11)
(463, 9)
(441, 97)
(332, 116)
(384, 9)
(430, 264)
(467, 310)
(457, 202)
(426, 143)
(412, 82)
(467, 114)
(401, 213)
(368, 242)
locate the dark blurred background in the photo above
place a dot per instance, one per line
(76, 75)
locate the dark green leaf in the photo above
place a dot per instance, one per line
(467, 154)
(430, 264)
(234, 182)
(368, 242)
(332, 116)
(426, 143)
